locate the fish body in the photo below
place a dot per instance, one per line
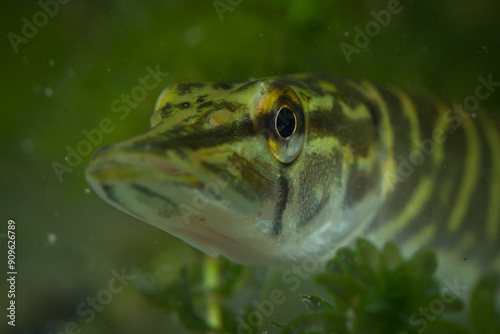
(280, 170)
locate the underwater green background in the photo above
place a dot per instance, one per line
(64, 78)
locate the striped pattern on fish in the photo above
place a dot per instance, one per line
(279, 170)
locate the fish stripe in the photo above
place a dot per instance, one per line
(201, 139)
(410, 111)
(280, 207)
(110, 192)
(412, 198)
(148, 194)
(412, 169)
(411, 209)
(470, 177)
(493, 217)
(421, 238)
(385, 129)
(440, 130)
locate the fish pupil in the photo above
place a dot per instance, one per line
(285, 122)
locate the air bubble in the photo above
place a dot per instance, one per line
(48, 92)
(51, 238)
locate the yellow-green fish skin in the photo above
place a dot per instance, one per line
(352, 158)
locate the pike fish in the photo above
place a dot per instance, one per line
(278, 170)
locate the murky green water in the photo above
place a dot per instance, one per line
(66, 68)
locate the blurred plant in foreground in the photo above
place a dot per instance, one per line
(376, 291)
(370, 291)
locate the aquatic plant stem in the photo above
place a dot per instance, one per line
(211, 273)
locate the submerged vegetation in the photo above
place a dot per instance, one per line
(367, 290)
(63, 82)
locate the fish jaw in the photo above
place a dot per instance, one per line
(175, 194)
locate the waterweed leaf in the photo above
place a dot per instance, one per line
(391, 257)
(319, 322)
(186, 310)
(278, 325)
(416, 278)
(342, 261)
(159, 279)
(423, 264)
(382, 311)
(341, 288)
(441, 326)
(315, 303)
(369, 255)
(406, 289)
(178, 285)
(348, 263)
(232, 276)
(162, 297)
(482, 315)
(175, 297)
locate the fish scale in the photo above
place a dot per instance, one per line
(278, 170)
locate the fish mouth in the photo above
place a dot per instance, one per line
(124, 177)
(110, 164)
(121, 168)
(137, 183)
(178, 194)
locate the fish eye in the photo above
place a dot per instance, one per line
(286, 128)
(286, 122)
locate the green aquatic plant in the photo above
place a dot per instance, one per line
(377, 291)
(368, 290)
(196, 288)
